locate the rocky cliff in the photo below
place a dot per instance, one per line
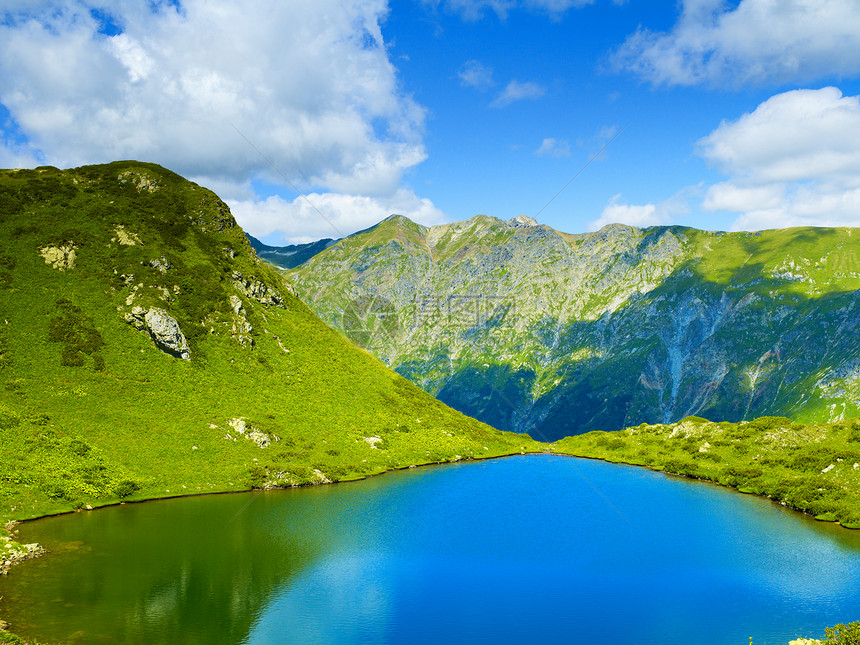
(530, 329)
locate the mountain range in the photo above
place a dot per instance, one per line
(533, 330)
(289, 257)
(147, 351)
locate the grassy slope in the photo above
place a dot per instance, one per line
(765, 302)
(807, 467)
(122, 419)
(129, 416)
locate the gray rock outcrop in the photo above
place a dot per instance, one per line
(257, 290)
(241, 426)
(59, 257)
(163, 329)
(166, 333)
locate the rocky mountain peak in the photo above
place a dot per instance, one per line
(534, 330)
(522, 220)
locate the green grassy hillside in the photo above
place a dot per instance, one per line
(530, 329)
(814, 468)
(101, 399)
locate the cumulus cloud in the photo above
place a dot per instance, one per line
(631, 214)
(474, 73)
(794, 160)
(328, 214)
(557, 148)
(796, 135)
(516, 91)
(753, 41)
(643, 215)
(308, 82)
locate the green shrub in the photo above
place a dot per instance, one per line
(10, 639)
(769, 423)
(615, 444)
(679, 466)
(76, 332)
(126, 488)
(842, 634)
(8, 418)
(707, 456)
(300, 472)
(56, 491)
(744, 473)
(78, 447)
(256, 476)
(812, 458)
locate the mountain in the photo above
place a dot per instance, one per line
(289, 257)
(530, 329)
(147, 351)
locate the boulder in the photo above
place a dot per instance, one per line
(241, 329)
(136, 318)
(162, 264)
(166, 333)
(240, 425)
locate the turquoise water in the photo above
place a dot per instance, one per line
(525, 549)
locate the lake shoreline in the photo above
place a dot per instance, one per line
(715, 483)
(533, 466)
(23, 552)
(37, 550)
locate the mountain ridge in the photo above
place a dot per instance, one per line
(290, 256)
(493, 317)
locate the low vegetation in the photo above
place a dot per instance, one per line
(814, 468)
(97, 408)
(843, 634)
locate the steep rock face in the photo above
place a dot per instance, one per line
(530, 329)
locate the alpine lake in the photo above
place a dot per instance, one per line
(526, 549)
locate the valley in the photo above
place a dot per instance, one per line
(147, 351)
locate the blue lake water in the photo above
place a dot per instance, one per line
(525, 549)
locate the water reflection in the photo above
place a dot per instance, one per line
(517, 550)
(196, 570)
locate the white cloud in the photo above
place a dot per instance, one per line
(474, 73)
(805, 207)
(516, 91)
(727, 196)
(643, 215)
(550, 147)
(606, 133)
(328, 214)
(631, 214)
(796, 135)
(308, 82)
(794, 160)
(754, 41)
(475, 9)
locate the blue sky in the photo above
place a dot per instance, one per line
(719, 115)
